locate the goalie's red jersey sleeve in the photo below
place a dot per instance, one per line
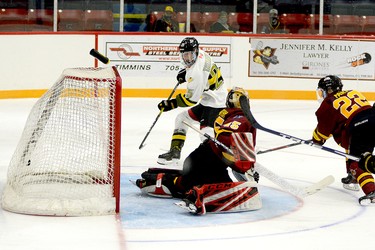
(230, 120)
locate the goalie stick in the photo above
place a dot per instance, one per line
(297, 191)
(246, 109)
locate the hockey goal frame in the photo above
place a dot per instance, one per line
(34, 188)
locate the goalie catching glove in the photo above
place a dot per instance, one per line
(159, 182)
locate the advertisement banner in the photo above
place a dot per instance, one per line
(311, 58)
(158, 56)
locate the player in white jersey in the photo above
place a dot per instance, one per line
(205, 94)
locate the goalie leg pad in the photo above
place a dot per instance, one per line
(223, 197)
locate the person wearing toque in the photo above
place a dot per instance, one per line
(167, 23)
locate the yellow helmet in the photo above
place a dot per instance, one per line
(233, 97)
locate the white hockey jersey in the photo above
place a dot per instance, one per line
(205, 83)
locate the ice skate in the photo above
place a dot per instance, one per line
(172, 156)
(350, 183)
(367, 199)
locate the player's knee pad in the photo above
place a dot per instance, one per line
(224, 197)
(180, 118)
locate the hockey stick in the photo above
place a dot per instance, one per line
(297, 191)
(41, 123)
(157, 118)
(246, 109)
(278, 148)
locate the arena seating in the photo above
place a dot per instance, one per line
(208, 18)
(262, 21)
(98, 20)
(13, 19)
(245, 21)
(70, 20)
(195, 19)
(367, 25)
(293, 22)
(232, 20)
(40, 20)
(345, 16)
(312, 24)
(346, 24)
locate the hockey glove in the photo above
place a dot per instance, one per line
(181, 76)
(167, 105)
(317, 137)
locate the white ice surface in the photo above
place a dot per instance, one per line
(330, 219)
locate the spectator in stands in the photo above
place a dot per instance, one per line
(166, 23)
(150, 22)
(221, 25)
(274, 25)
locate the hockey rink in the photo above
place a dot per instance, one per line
(330, 219)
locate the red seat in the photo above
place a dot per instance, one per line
(368, 25)
(98, 20)
(158, 14)
(40, 20)
(245, 21)
(232, 20)
(312, 22)
(195, 19)
(346, 24)
(70, 20)
(262, 21)
(13, 19)
(208, 18)
(294, 22)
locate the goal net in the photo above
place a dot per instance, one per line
(67, 162)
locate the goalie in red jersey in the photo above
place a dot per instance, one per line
(204, 183)
(350, 119)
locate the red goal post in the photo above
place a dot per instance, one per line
(67, 162)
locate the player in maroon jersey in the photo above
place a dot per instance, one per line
(349, 118)
(208, 163)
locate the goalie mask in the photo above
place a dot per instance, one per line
(189, 49)
(233, 97)
(326, 85)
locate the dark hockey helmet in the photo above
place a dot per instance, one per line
(233, 97)
(189, 49)
(328, 83)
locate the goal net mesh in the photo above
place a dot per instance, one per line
(67, 160)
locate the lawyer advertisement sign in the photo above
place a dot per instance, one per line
(311, 58)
